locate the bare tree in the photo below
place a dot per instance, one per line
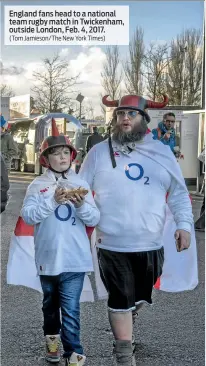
(32, 103)
(111, 75)
(185, 69)
(99, 118)
(103, 108)
(6, 91)
(133, 66)
(53, 85)
(73, 109)
(194, 61)
(89, 109)
(155, 69)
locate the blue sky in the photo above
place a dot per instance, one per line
(161, 21)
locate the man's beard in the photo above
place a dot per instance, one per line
(137, 133)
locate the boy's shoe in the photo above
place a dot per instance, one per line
(52, 348)
(75, 360)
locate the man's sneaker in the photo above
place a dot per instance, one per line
(123, 353)
(75, 360)
(52, 348)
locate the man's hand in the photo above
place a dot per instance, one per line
(59, 196)
(77, 200)
(177, 154)
(183, 239)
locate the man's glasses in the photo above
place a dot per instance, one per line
(129, 114)
(168, 121)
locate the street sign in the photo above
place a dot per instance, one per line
(80, 98)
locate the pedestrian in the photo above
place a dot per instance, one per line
(62, 247)
(107, 133)
(93, 139)
(4, 185)
(131, 175)
(8, 146)
(200, 223)
(165, 132)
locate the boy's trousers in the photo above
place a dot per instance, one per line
(63, 292)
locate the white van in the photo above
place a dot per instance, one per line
(23, 132)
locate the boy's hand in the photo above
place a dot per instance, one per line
(77, 200)
(59, 196)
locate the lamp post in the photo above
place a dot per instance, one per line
(80, 99)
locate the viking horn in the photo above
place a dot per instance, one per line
(109, 103)
(151, 104)
(55, 131)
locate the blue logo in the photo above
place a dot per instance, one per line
(139, 174)
(69, 212)
(140, 171)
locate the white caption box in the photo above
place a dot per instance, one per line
(66, 25)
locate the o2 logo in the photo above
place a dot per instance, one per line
(139, 175)
(67, 216)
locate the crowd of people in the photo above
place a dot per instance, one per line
(127, 180)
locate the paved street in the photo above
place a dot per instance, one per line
(169, 333)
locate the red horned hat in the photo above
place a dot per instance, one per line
(135, 102)
(54, 141)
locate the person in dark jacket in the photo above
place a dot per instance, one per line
(107, 134)
(8, 147)
(200, 223)
(4, 185)
(93, 139)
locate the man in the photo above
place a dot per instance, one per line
(200, 223)
(94, 139)
(131, 174)
(8, 147)
(165, 131)
(4, 185)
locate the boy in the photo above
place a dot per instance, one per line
(62, 248)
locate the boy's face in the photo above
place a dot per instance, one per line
(60, 160)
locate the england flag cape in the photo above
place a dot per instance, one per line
(180, 272)
(21, 267)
